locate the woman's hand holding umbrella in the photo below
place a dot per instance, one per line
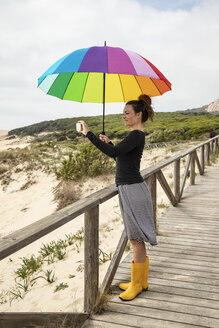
(104, 138)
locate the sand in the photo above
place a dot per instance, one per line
(20, 208)
(6, 143)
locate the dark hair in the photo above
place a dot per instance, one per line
(143, 104)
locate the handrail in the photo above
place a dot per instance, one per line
(90, 207)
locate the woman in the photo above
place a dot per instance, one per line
(134, 197)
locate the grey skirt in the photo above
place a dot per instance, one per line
(137, 212)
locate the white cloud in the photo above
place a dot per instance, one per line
(183, 44)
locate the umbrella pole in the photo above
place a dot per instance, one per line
(104, 80)
(103, 132)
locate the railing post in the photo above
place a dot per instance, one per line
(208, 154)
(152, 186)
(198, 162)
(192, 169)
(212, 146)
(203, 158)
(216, 144)
(91, 257)
(176, 181)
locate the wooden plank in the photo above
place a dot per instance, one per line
(150, 312)
(114, 264)
(198, 287)
(193, 217)
(193, 262)
(125, 319)
(206, 282)
(91, 258)
(193, 235)
(210, 230)
(198, 240)
(190, 251)
(190, 234)
(189, 216)
(157, 286)
(177, 271)
(190, 267)
(180, 299)
(169, 305)
(195, 222)
(41, 319)
(166, 188)
(190, 248)
(187, 256)
(187, 243)
(103, 324)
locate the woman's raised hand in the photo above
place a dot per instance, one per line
(104, 138)
(85, 128)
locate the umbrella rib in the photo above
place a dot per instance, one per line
(138, 84)
(155, 85)
(121, 88)
(85, 87)
(67, 85)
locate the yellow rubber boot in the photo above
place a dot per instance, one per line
(135, 288)
(125, 286)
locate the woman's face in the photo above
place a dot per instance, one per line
(130, 117)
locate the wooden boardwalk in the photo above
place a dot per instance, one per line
(184, 267)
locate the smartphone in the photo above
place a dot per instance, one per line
(78, 127)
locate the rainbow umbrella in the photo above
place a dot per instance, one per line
(103, 74)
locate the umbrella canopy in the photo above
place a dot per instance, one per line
(103, 74)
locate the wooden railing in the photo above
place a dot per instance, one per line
(90, 207)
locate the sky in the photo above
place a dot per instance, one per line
(180, 37)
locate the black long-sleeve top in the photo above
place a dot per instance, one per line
(127, 154)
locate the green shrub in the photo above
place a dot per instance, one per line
(183, 125)
(87, 161)
(164, 135)
(18, 155)
(61, 286)
(29, 266)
